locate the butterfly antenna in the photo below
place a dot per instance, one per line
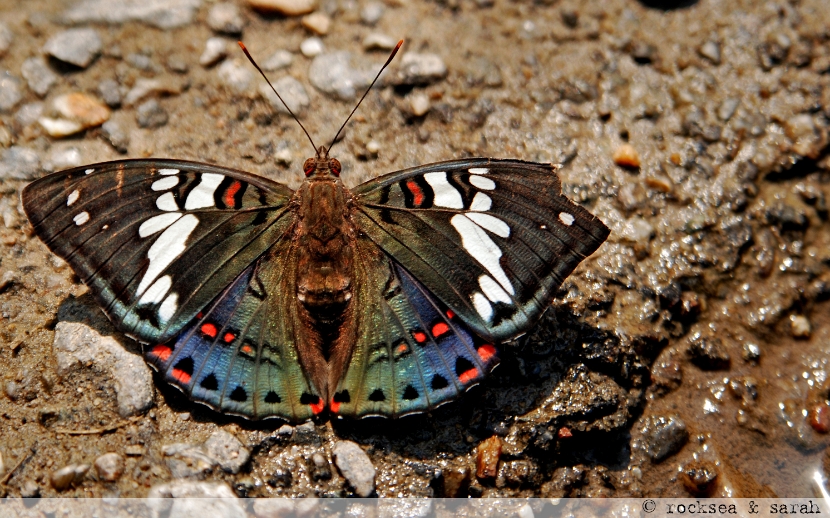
(248, 55)
(391, 57)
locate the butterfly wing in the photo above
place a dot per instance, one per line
(157, 240)
(491, 240)
(240, 355)
(411, 352)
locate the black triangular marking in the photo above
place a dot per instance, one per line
(410, 393)
(272, 397)
(342, 397)
(463, 365)
(309, 399)
(239, 394)
(209, 382)
(185, 365)
(439, 382)
(377, 395)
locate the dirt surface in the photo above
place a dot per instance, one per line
(687, 357)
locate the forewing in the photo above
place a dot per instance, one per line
(491, 239)
(411, 352)
(157, 240)
(240, 355)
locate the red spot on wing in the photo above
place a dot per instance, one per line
(402, 348)
(230, 192)
(199, 315)
(419, 336)
(439, 329)
(416, 191)
(317, 407)
(162, 352)
(247, 349)
(209, 329)
(334, 407)
(450, 314)
(468, 375)
(564, 433)
(229, 337)
(486, 351)
(181, 376)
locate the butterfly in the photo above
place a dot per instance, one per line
(388, 299)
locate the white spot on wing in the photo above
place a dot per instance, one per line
(168, 307)
(73, 197)
(445, 194)
(479, 170)
(491, 223)
(168, 171)
(479, 245)
(566, 218)
(81, 218)
(167, 202)
(169, 245)
(158, 223)
(202, 195)
(483, 306)
(165, 183)
(481, 202)
(492, 290)
(157, 291)
(89, 171)
(482, 182)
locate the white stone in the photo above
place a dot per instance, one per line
(311, 47)
(194, 498)
(419, 104)
(164, 14)
(285, 7)
(378, 41)
(355, 466)
(216, 49)
(279, 59)
(77, 345)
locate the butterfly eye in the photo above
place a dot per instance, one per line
(309, 166)
(334, 165)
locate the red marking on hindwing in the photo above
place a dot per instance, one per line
(229, 337)
(439, 329)
(209, 329)
(468, 375)
(450, 314)
(247, 349)
(230, 192)
(162, 352)
(334, 407)
(416, 191)
(181, 376)
(564, 433)
(199, 315)
(486, 351)
(317, 407)
(402, 348)
(419, 336)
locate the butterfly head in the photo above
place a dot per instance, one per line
(322, 165)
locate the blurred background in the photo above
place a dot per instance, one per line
(687, 357)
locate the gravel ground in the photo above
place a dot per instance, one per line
(687, 357)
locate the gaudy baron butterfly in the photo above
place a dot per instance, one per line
(388, 299)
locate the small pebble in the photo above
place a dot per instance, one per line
(144, 87)
(29, 113)
(456, 480)
(235, 74)
(658, 183)
(711, 51)
(819, 418)
(277, 60)
(664, 435)
(419, 104)
(64, 158)
(273, 507)
(487, 458)
(371, 12)
(76, 111)
(311, 47)
(699, 477)
(225, 17)
(708, 353)
(141, 61)
(292, 91)
(166, 14)
(216, 49)
(116, 135)
(77, 47)
(373, 147)
(626, 156)
(38, 75)
(800, 326)
(10, 93)
(228, 452)
(30, 489)
(727, 108)
(321, 469)
(65, 477)
(356, 467)
(378, 41)
(283, 157)
(20, 163)
(110, 92)
(284, 7)
(318, 23)
(419, 68)
(109, 466)
(6, 38)
(750, 352)
(151, 115)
